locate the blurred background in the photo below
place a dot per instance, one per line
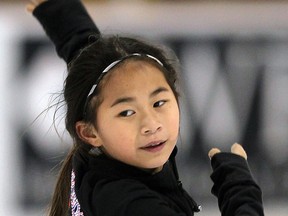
(234, 61)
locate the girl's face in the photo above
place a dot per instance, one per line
(138, 120)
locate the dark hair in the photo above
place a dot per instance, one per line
(83, 72)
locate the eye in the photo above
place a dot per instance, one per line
(126, 113)
(159, 103)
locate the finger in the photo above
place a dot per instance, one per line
(30, 8)
(238, 149)
(37, 2)
(212, 152)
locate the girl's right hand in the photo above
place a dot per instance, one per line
(30, 7)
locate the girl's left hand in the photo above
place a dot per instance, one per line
(235, 149)
(30, 7)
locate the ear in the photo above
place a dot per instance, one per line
(88, 133)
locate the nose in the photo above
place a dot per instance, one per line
(150, 123)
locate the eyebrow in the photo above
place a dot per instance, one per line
(130, 99)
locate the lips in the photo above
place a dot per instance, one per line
(154, 146)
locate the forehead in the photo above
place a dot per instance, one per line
(135, 73)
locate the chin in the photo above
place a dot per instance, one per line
(153, 170)
(158, 165)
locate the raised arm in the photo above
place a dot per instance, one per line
(237, 192)
(67, 23)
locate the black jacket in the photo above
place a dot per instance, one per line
(107, 187)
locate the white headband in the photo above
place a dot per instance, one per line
(110, 66)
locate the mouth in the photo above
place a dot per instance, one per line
(154, 146)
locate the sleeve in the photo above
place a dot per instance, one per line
(124, 198)
(237, 192)
(68, 25)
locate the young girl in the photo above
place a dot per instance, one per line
(123, 115)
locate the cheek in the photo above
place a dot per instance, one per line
(114, 133)
(125, 135)
(175, 124)
(174, 120)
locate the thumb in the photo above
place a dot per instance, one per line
(212, 152)
(238, 149)
(30, 8)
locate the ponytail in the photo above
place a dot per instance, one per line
(60, 200)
